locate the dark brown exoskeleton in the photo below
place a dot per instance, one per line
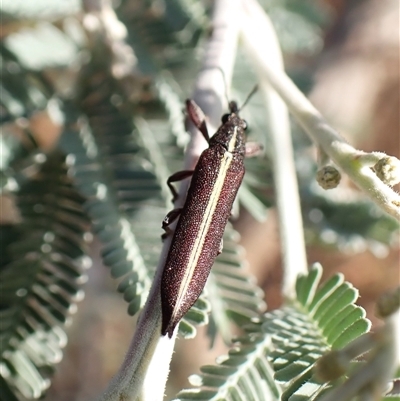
(197, 239)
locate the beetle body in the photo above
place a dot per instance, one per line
(198, 235)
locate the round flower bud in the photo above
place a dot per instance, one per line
(328, 177)
(388, 170)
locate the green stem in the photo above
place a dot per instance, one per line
(344, 155)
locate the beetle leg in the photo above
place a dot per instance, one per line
(179, 176)
(197, 117)
(169, 219)
(253, 149)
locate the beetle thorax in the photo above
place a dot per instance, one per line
(231, 135)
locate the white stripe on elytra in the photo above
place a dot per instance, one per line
(205, 223)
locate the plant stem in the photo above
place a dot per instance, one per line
(215, 74)
(343, 154)
(146, 366)
(281, 153)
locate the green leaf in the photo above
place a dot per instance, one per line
(233, 292)
(286, 342)
(344, 294)
(243, 374)
(339, 322)
(327, 288)
(40, 277)
(115, 190)
(359, 327)
(251, 203)
(299, 334)
(306, 286)
(196, 316)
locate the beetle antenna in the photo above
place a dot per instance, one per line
(253, 91)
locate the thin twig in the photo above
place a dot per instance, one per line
(281, 153)
(215, 74)
(344, 155)
(146, 366)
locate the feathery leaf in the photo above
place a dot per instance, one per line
(41, 277)
(287, 343)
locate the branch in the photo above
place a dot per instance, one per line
(215, 74)
(281, 153)
(146, 366)
(344, 155)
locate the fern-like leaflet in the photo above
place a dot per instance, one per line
(275, 357)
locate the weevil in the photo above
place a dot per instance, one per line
(197, 239)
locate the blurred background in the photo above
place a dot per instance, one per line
(343, 53)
